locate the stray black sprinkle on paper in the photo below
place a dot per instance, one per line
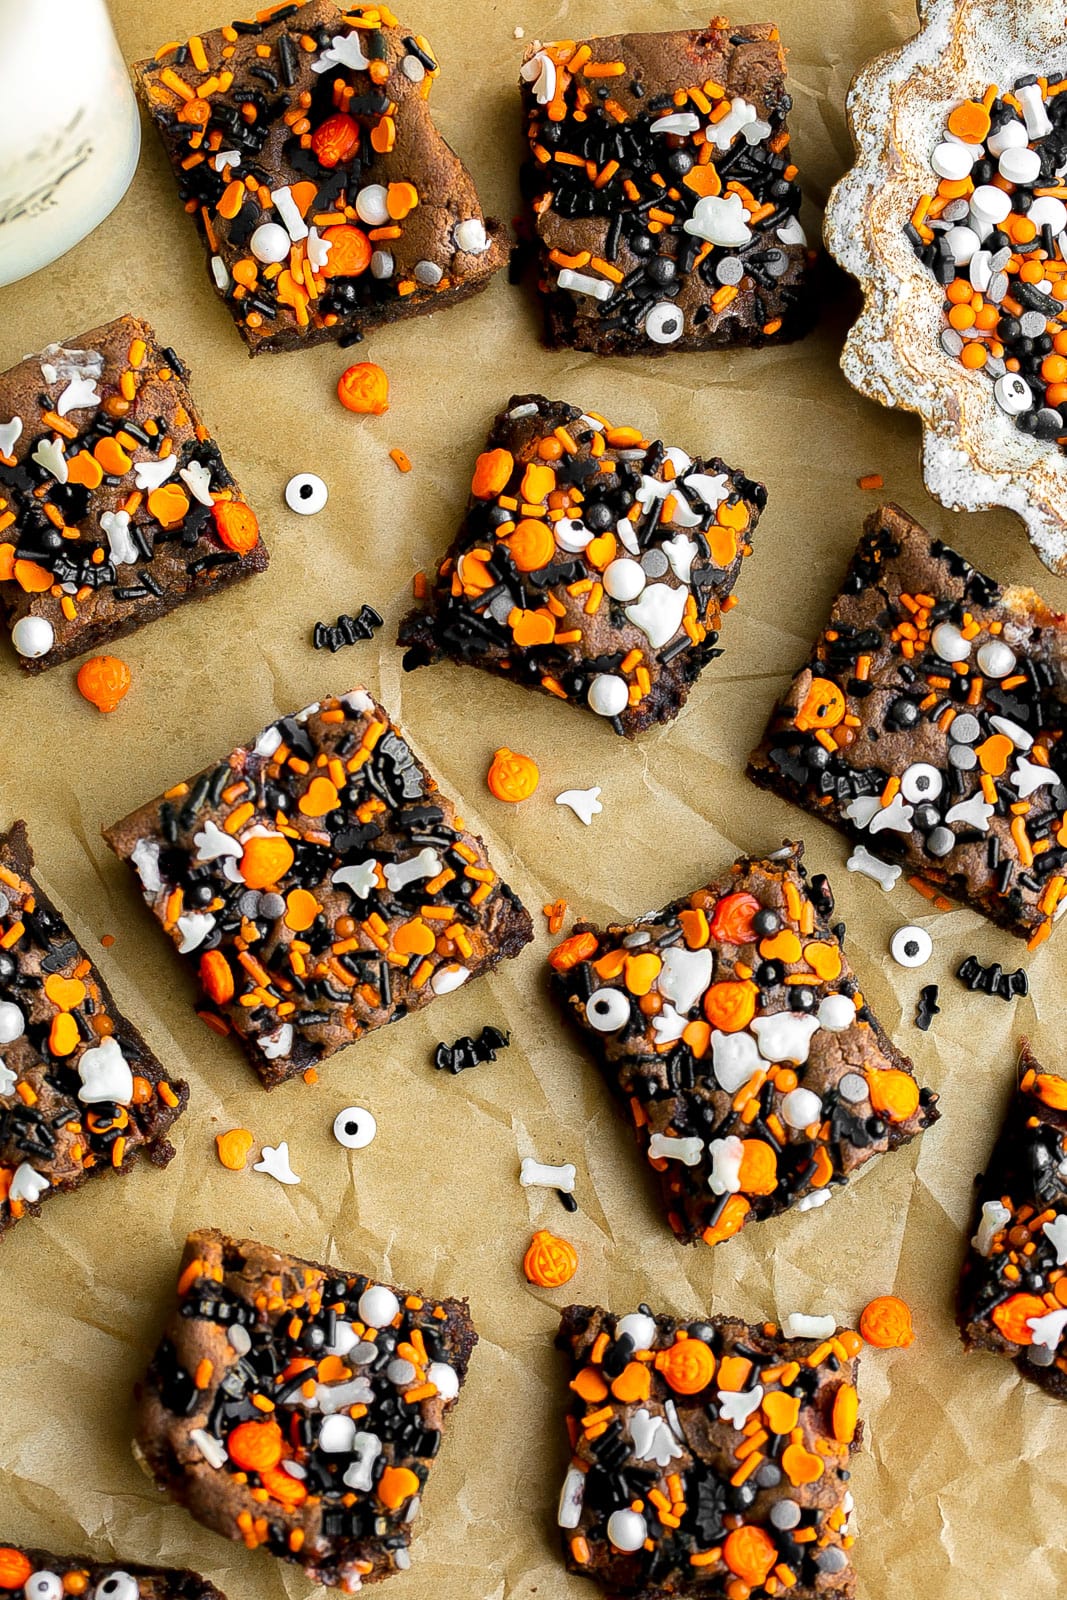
(346, 630)
(567, 1201)
(928, 1007)
(992, 980)
(467, 1052)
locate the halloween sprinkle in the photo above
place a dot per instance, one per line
(346, 630)
(467, 1052)
(991, 980)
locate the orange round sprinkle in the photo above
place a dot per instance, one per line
(104, 681)
(974, 355)
(750, 1552)
(335, 140)
(266, 859)
(236, 525)
(688, 1366)
(959, 292)
(255, 1446)
(731, 1006)
(233, 1148)
(549, 1261)
(512, 777)
(886, 1323)
(364, 388)
(15, 1569)
(350, 254)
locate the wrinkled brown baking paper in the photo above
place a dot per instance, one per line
(960, 1485)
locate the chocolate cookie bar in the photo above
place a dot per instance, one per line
(730, 1026)
(299, 1407)
(320, 884)
(1013, 1288)
(304, 149)
(928, 723)
(115, 503)
(81, 1094)
(593, 564)
(663, 192)
(41, 1575)
(709, 1458)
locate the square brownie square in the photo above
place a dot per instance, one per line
(1013, 1287)
(320, 885)
(81, 1094)
(299, 1407)
(115, 503)
(663, 191)
(39, 1574)
(928, 724)
(305, 151)
(708, 1458)
(733, 1031)
(593, 564)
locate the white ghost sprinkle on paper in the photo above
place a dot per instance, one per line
(585, 803)
(275, 1163)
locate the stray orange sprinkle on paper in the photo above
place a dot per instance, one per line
(107, 940)
(872, 480)
(401, 461)
(886, 1323)
(233, 1148)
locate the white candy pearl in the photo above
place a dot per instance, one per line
(961, 243)
(1020, 164)
(12, 1022)
(337, 1434)
(801, 1108)
(372, 205)
(471, 237)
(1013, 394)
(952, 161)
(378, 1306)
(624, 579)
(608, 695)
(444, 1378)
(627, 1530)
(641, 1329)
(33, 637)
(920, 781)
(607, 1010)
(990, 204)
(949, 643)
(1012, 136)
(995, 658)
(836, 1013)
(911, 946)
(270, 243)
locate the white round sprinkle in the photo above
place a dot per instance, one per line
(12, 1022)
(1020, 164)
(989, 204)
(337, 1434)
(354, 1127)
(996, 659)
(1010, 136)
(607, 1010)
(911, 946)
(627, 1530)
(306, 494)
(1012, 394)
(382, 264)
(665, 323)
(624, 578)
(1048, 211)
(118, 1586)
(33, 637)
(270, 243)
(378, 1306)
(801, 1108)
(413, 68)
(920, 781)
(642, 1329)
(444, 1378)
(471, 237)
(43, 1586)
(952, 161)
(372, 205)
(949, 643)
(608, 695)
(836, 1013)
(961, 243)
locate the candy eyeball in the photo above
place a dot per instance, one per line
(665, 323)
(911, 946)
(607, 1010)
(43, 1586)
(117, 1586)
(920, 781)
(354, 1127)
(306, 494)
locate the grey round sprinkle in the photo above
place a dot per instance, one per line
(956, 211)
(428, 272)
(962, 757)
(767, 1475)
(999, 261)
(940, 842)
(852, 1088)
(964, 729)
(729, 270)
(248, 905)
(998, 287)
(500, 609)
(1032, 324)
(1039, 1355)
(994, 368)
(831, 1560)
(654, 563)
(363, 1353)
(777, 263)
(413, 68)
(951, 343)
(271, 905)
(5, 904)
(785, 1514)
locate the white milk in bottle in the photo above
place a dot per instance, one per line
(69, 129)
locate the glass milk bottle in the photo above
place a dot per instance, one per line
(69, 130)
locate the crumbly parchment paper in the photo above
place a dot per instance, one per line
(961, 1480)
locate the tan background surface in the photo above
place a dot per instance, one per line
(961, 1486)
